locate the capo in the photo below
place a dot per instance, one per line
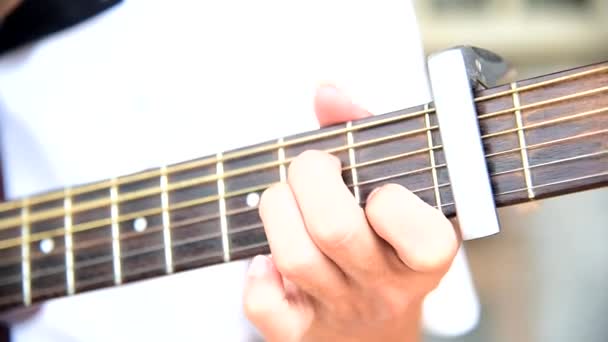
(454, 73)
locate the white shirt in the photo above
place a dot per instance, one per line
(149, 83)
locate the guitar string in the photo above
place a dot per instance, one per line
(6, 243)
(17, 298)
(205, 218)
(12, 222)
(125, 236)
(57, 212)
(210, 236)
(259, 226)
(250, 151)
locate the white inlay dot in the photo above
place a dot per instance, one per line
(47, 245)
(253, 199)
(140, 224)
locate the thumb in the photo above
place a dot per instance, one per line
(279, 315)
(332, 107)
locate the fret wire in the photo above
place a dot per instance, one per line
(222, 207)
(281, 154)
(522, 143)
(582, 156)
(393, 157)
(208, 161)
(166, 221)
(547, 122)
(211, 178)
(402, 174)
(126, 236)
(183, 184)
(429, 137)
(94, 224)
(545, 102)
(153, 173)
(69, 253)
(397, 175)
(418, 190)
(261, 244)
(144, 250)
(193, 182)
(605, 173)
(26, 281)
(544, 83)
(352, 161)
(257, 226)
(115, 233)
(209, 255)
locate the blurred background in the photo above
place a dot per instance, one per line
(537, 36)
(545, 276)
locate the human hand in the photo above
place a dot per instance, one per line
(339, 272)
(7, 6)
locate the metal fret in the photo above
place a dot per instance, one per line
(25, 254)
(164, 198)
(69, 252)
(352, 160)
(429, 136)
(282, 168)
(222, 207)
(115, 233)
(522, 141)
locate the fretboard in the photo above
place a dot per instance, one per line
(542, 137)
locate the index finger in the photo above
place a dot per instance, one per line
(334, 220)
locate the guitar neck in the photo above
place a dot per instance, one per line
(542, 137)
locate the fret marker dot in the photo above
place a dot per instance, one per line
(140, 224)
(253, 199)
(47, 245)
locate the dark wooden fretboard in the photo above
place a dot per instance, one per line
(542, 137)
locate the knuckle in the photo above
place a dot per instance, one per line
(336, 231)
(293, 265)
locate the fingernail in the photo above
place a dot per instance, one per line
(260, 265)
(371, 194)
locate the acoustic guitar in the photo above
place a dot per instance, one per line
(542, 137)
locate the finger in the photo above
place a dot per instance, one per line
(332, 107)
(422, 237)
(279, 317)
(293, 252)
(334, 220)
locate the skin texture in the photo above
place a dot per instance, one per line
(339, 272)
